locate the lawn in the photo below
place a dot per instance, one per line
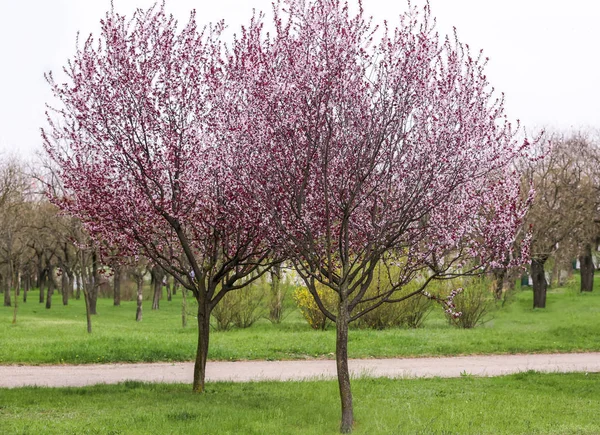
(526, 403)
(570, 323)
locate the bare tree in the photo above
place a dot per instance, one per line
(562, 214)
(588, 149)
(13, 191)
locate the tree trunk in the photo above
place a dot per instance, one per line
(168, 286)
(50, 288)
(117, 286)
(157, 275)
(14, 320)
(343, 373)
(92, 290)
(93, 298)
(79, 284)
(140, 297)
(87, 284)
(40, 272)
(42, 282)
(26, 286)
(88, 312)
(539, 282)
(156, 295)
(41, 292)
(7, 290)
(64, 282)
(175, 286)
(183, 306)
(10, 284)
(498, 284)
(202, 349)
(17, 281)
(587, 269)
(276, 299)
(71, 277)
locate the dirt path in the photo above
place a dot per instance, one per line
(243, 371)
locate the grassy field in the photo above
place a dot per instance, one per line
(568, 324)
(527, 403)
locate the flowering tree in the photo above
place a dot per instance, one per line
(374, 147)
(142, 163)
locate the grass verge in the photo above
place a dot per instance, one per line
(526, 403)
(55, 336)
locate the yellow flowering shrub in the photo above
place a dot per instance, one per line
(309, 308)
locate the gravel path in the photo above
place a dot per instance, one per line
(244, 371)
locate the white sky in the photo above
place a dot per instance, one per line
(544, 55)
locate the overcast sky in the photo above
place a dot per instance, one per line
(543, 54)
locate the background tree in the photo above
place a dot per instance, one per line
(37, 243)
(564, 207)
(368, 153)
(13, 234)
(44, 242)
(587, 149)
(67, 254)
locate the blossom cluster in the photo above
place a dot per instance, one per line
(447, 302)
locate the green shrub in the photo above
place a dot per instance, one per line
(475, 303)
(239, 308)
(414, 311)
(383, 317)
(279, 286)
(410, 313)
(248, 304)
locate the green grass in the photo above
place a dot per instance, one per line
(526, 403)
(568, 324)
